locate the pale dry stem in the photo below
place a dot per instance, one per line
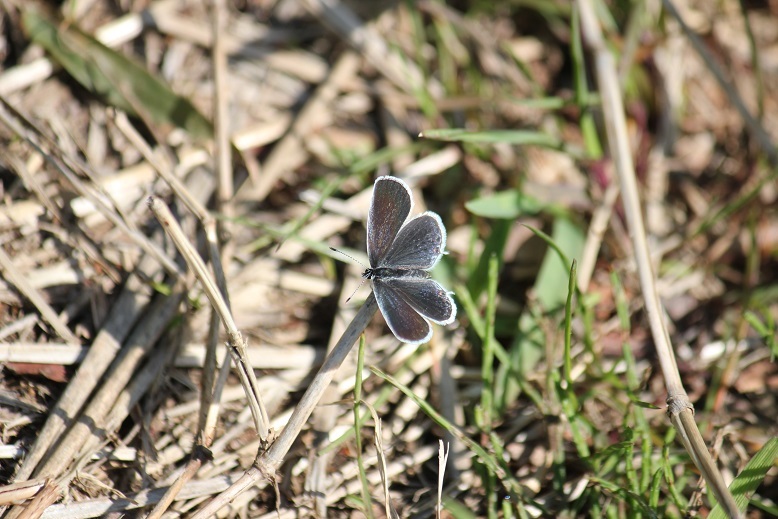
(680, 408)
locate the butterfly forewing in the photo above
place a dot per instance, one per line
(425, 296)
(418, 245)
(390, 206)
(406, 324)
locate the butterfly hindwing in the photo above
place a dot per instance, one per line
(404, 321)
(424, 296)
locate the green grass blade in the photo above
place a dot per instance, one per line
(458, 509)
(750, 478)
(487, 355)
(587, 121)
(517, 137)
(366, 499)
(568, 359)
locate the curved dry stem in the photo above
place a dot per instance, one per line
(268, 462)
(210, 394)
(680, 408)
(236, 343)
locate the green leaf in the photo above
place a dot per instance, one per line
(506, 205)
(494, 245)
(567, 242)
(112, 76)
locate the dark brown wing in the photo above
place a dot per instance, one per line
(390, 206)
(425, 296)
(418, 245)
(405, 322)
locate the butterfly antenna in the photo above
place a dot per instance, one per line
(348, 256)
(355, 290)
(355, 259)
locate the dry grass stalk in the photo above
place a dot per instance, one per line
(124, 313)
(25, 287)
(237, 345)
(267, 463)
(680, 410)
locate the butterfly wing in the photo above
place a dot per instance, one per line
(424, 296)
(419, 244)
(390, 206)
(404, 321)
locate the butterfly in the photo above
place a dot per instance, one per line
(401, 254)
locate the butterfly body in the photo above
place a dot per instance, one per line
(389, 272)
